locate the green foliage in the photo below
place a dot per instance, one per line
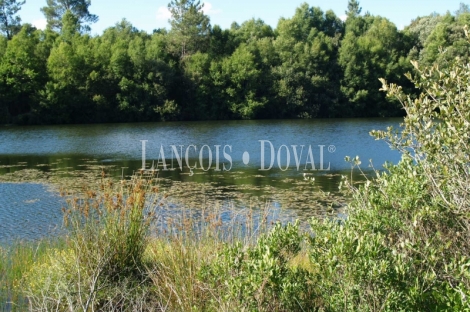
(221, 42)
(240, 90)
(10, 24)
(370, 50)
(311, 65)
(68, 65)
(250, 31)
(190, 27)
(420, 29)
(405, 243)
(353, 8)
(16, 260)
(433, 33)
(435, 133)
(197, 70)
(3, 45)
(365, 262)
(56, 9)
(260, 277)
(122, 75)
(449, 34)
(22, 73)
(308, 73)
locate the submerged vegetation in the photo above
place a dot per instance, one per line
(312, 64)
(404, 245)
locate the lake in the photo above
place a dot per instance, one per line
(231, 161)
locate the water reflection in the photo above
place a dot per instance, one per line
(60, 147)
(78, 152)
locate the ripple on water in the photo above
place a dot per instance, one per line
(28, 211)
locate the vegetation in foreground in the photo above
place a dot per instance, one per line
(404, 246)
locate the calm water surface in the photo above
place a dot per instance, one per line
(29, 210)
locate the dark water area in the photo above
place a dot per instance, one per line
(73, 147)
(260, 158)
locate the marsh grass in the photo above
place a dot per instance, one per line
(127, 248)
(102, 265)
(16, 259)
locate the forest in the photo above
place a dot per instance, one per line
(312, 65)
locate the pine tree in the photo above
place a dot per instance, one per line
(190, 27)
(10, 24)
(56, 9)
(353, 8)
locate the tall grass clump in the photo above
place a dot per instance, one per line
(193, 271)
(102, 264)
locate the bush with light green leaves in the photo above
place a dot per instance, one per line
(261, 277)
(406, 242)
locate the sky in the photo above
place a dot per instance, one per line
(152, 14)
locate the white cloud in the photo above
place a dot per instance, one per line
(207, 9)
(40, 23)
(163, 14)
(343, 17)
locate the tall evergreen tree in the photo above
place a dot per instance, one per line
(463, 8)
(10, 23)
(354, 8)
(190, 27)
(56, 9)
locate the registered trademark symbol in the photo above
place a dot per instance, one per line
(331, 148)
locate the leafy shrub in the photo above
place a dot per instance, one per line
(260, 277)
(406, 242)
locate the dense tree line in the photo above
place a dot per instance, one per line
(311, 65)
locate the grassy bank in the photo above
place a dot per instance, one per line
(124, 243)
(124, 253)
(15, 260)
